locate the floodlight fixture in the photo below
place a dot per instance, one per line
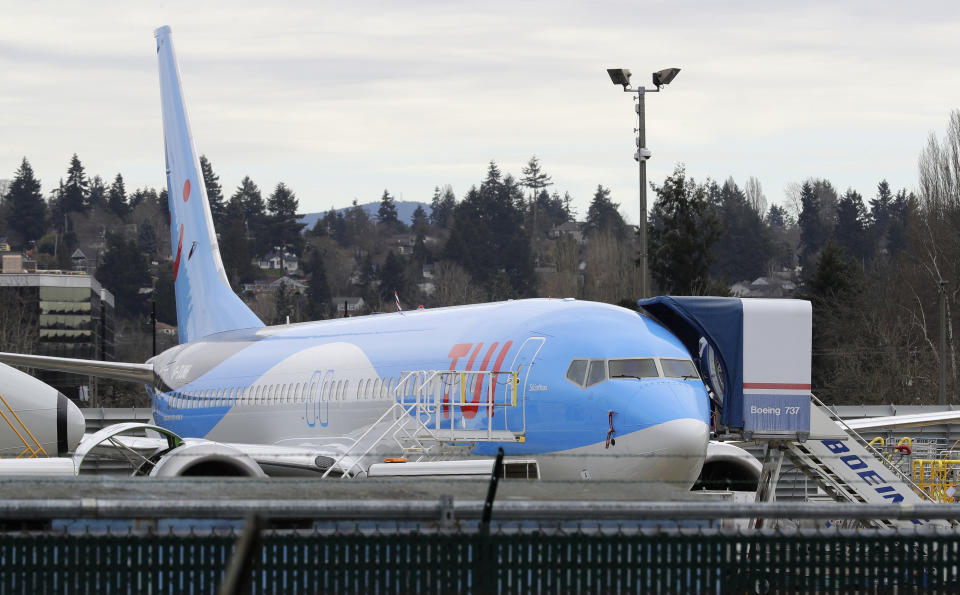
(663, 77)
(620, 76)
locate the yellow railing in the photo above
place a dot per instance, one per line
(31, 450)
(938, 478)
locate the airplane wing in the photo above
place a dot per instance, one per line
(141, 373)
(914, 420)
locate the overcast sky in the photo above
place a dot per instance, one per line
(342, 100)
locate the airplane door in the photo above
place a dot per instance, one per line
(522, 364)
(323, 411)
(318, 406)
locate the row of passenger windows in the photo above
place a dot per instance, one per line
(588, 372)
(368, 389)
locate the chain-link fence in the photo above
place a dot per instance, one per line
(403, 556)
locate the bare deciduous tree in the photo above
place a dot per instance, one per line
(454, 286)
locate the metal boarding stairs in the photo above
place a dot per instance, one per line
(828, 468)
(429, 406)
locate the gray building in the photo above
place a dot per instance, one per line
(58, 313)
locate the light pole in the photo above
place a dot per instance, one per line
(942, 303)
(621, 76)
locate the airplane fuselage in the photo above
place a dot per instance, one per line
(325, 382)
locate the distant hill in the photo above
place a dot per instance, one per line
(405, 211)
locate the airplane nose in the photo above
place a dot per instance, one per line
(661, 401)
(683, 448)
(667, 433)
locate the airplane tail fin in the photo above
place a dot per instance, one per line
(205, 302)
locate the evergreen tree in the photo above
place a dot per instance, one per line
(117, 198)
(552, 210)
(136, 198)
(536, 181)
(163, 203)
(147, 237)
(902, 209)
(434, 204)
(75, 194)
(488, 236)
(392, 279)
(743, 248)
(534, 178)
(780, 226)
(165, 296)
(98, 193)
(387, 214)
(358, 230)
(682, 231)
(834, 290)
(332, 224)
(419, 223)
(283, 310)
(149, 196)
(813, 232)
(852, 224)
(881, 212)
(421, 253)
(25, 207)
(124, 272)
(211, 181)
(777, 216)
(420, 226)
(568, 207)
(442, 207)
(234, 246)
(254, 210)
(604, 215)
(285, 227)
(881, 205)
(250, 200)
(318, 288)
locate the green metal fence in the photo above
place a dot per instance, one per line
(507, 561)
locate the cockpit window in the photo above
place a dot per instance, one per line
(633, 368)
(678, 368)
(577, 371)
(597, 372)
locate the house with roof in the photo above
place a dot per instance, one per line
(291, 285)
(276, 261)
(568, 228)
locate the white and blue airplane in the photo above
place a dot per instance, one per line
(602, 392)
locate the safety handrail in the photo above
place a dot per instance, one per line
(359, 440)
(903, 476)
(432, 402)
(419, 401)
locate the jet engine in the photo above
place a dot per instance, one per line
(35, 419)
(728, 467)
(206, 459)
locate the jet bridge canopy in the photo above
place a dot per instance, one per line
(754, 355)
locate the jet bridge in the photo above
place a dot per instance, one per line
(755, 358)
